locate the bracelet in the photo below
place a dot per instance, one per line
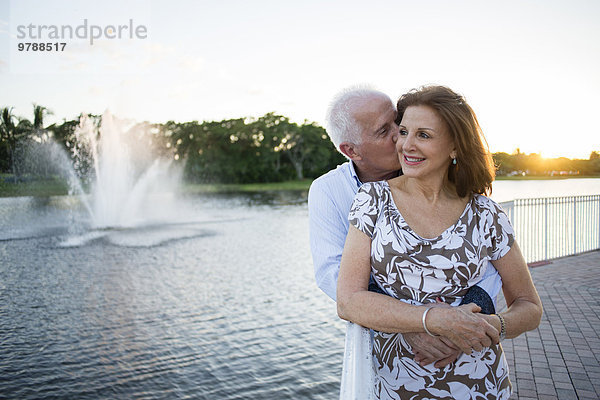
(502, 326)
(424, 324)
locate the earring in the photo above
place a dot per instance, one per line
(454, 161)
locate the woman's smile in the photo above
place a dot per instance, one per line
(412, 160)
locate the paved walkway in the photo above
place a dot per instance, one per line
(561, 359)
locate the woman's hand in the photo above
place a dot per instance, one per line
(464, 326)
(428, 349)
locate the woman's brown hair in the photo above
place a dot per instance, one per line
(474, 169)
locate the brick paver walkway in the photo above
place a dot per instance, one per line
(561, 359)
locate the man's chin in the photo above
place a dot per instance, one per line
(396, 167)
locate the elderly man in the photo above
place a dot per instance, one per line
(361, 123)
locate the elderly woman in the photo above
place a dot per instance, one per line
(427, 237)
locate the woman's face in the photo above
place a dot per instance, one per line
(425, 147)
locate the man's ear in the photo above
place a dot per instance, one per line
(349, 149)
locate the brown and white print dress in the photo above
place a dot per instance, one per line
(417, 270)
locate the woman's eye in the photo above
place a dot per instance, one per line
(403, 132)
(423, 135)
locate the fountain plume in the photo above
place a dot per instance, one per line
(131, 186)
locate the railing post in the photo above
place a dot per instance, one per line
(575, 225)
(546, 228)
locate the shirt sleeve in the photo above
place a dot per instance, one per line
(328, 229)
(503, 234)
(365, 208)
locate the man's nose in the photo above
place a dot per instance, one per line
(396, 133)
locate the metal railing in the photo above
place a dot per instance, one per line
(552, 227)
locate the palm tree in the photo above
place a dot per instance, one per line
(40, 135)
(9, 134)
(38, 120)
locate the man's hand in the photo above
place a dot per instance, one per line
(430, 349)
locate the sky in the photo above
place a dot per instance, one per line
(529, 69)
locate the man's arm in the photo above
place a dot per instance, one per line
(486, 291)
(328, 230)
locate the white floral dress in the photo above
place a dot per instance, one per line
(417, 270)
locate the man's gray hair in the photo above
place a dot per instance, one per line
(340, 123)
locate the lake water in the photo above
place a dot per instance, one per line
(220, 304)
(510, 190)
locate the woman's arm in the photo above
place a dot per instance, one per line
(355, 303)
(524, 307)
(462, 325)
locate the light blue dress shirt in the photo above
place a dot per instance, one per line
(329, 200)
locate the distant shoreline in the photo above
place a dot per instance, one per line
(543, 178)
(56, 187)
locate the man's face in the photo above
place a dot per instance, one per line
(376, 117)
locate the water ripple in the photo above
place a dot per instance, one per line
(230, 313)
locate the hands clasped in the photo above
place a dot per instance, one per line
(464, 326)
(461, 329)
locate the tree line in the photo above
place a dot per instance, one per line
(534, 164)
(270, 148)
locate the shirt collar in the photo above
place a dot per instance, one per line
(354, 175)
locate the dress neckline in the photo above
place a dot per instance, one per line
(407, 227)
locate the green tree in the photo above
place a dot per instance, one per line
(266, 149)
(220, 151)
(64, 133)
(519, 161)
(11, 134)
(37, 151)
(271, 133)
(503, 162)
(39, 113)
(320, 154)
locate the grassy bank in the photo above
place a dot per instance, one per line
(56, 187)
(32, 187)
(247, 187)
